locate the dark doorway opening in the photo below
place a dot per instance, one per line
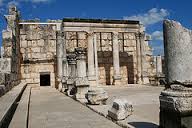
(45, 79)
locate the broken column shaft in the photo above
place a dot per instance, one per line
(176, 99)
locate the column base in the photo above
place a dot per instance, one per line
(60, 86)
(96, 96)
(82, 87)
(70, 87)
(81, 92)
(145, 80)
(116, 80)
(175, 107)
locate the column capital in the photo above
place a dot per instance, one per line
(60, 33)
(80, 52)
(90, 33)
(115, 34)
(71, 58)
(140, 35)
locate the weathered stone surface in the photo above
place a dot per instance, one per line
(120, 110)
(178, 53)
(175, 107)
(96, 96)
(81, 83)
(5, 65)
(176, 99)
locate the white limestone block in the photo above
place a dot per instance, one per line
(120, 110)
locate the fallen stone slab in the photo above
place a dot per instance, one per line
(96, 96)
(120, 110)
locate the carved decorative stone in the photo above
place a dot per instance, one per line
(120, 110)
(176, 99)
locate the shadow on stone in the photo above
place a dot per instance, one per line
(143, 124)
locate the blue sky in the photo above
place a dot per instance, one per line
(150, 12)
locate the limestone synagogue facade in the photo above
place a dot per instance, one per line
(57, 52)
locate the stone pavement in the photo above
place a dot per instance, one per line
(145, 100)
(51, 109)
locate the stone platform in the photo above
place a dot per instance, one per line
(49, 109)
(145, 101)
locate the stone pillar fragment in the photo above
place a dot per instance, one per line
(91, 65)
(81, 82)
(59, 53)
(71, 58)
(116, 65)
(176, 99)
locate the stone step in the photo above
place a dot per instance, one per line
(20, 118)
(8, 103)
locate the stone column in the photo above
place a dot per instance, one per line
(176, 99)
(96, 59)
(64, 65)
(159, 65)
(144, 70)
(71, 58)
(81, 82)
(59, 52)
(116, 67)
(91, 66)
(139, 66)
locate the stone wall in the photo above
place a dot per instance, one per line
(128, 60)
(38, 52)
(10, 63)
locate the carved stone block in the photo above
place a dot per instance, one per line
(120, 110)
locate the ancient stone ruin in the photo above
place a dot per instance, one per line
(176, 99)
(73, 55)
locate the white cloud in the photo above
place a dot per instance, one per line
(153, 16)
(157, 35)
(13, 3)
